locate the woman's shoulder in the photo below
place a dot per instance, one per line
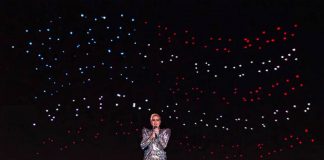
(145, 129)
(166, 130)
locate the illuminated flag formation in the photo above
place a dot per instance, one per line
(224, 97)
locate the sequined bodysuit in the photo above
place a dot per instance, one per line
(154, 148)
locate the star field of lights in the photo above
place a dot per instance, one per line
(98, 77)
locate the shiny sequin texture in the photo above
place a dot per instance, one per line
(154, 149)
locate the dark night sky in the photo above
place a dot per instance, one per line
(19, 82)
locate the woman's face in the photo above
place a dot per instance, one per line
(156, 121)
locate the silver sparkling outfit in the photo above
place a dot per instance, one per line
(154, 149)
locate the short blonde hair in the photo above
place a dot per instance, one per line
(154, 114)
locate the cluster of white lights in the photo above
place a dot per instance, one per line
(240, 66)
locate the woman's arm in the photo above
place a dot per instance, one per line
(163, 139)
(145, 139)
